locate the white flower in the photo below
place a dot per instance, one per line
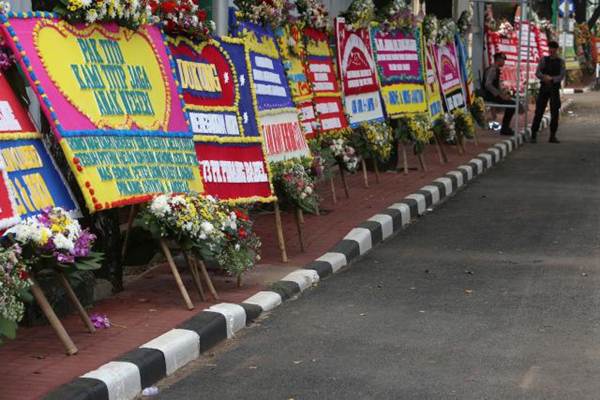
(160, 206)
(207, 227)
(91, 15)
(308, 190)
(62, 243)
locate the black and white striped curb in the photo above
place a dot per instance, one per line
(125, 377)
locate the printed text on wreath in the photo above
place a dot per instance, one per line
(119, 88)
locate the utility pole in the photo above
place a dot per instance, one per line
(220, 10)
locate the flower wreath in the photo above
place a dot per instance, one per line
(314, 14)
(397, 15)
(274, 13)
(477, 110)
(14, 286)
(294, 184)
(373, 140)
(415, 129)
(182, 17)
(55, 240)
(464, 124)
(360, 14)
(128, 13)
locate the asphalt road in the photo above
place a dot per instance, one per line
(495, 295)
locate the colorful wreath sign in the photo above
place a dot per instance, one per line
(399, 58)
(293, 55)
(466, 70)
(448, 74)
(216, 91)
(358, 73)
(432, 87)
(276, 111)
(112, 102)
(34, 180)
(324, 82)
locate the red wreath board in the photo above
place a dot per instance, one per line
(322, 75)
(358, 72)
(234, 171)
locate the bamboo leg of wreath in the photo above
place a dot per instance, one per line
(422, 162)
(195, 274)
(279, 231)
(299, 223)
(55, 323)
(404, 157)
(211, 287)
(332, 185)
(376, 168)
(176, 275)
(76, 303)
(343, 176)
(440, 149)
(132, 213)
(460, 144)
(364, 171)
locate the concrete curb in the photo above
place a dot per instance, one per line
(125, 377)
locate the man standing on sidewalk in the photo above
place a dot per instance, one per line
(492, 92)
(550, 71)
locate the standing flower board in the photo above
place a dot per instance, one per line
(399, 55)
(113, 105)
(217, 96)
(466, 70)
(33, 177)
(275, 109)
(323, 79)
(432, 87)
(448, 73)
(293, 55)
(358, 74)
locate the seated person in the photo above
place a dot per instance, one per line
(492, 92)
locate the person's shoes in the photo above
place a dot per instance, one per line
(507, 132)
(553, 140)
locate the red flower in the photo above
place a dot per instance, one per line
(241, 215)
(242, 233)
(202, 15)
(168, 7)
(23, 275)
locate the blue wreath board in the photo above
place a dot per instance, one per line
(26, 182)
(268, 72)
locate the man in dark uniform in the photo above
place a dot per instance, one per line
(550, 71)
(492, 92)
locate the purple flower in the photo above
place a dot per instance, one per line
(83, 244)
(100, 321)
(65, 258)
